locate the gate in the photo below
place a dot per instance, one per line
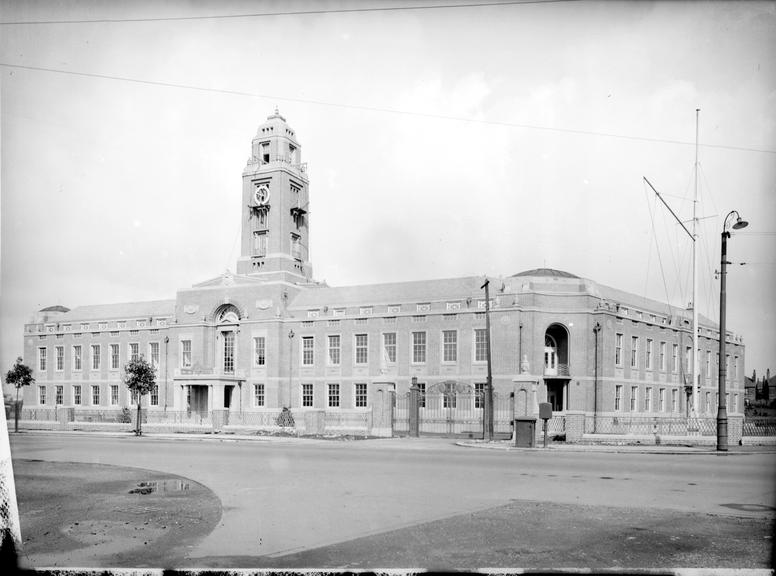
(444, 409)
(451, 409)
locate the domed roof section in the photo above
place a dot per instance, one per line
(56, 308)
(545, 273)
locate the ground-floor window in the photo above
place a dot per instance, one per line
(648, 399)
(41, 395)
(258, 394)
(361, 395)
(114, 394)
(60, 395)
(334, 395)
(307, 395)
(617, 398)
(479, 394)
(155, 395)
(634, 399)
(77, 394)
(95, 395)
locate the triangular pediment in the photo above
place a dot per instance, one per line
(228, 278)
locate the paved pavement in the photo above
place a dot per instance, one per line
(283, 496)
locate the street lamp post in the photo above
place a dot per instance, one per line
(722, 420)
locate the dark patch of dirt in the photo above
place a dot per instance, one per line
(77, 514)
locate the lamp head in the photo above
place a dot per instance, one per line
(740, 224)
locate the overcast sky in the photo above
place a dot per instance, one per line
(440, 143)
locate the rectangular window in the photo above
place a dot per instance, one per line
(41, 395)
(296, 246)
(727, 364)
(480, 345)
(479, 394)
(95, 395)
(708, 402)
(258, 395)
(228, 351)
(688, 359)
(634, 351)
(648, 399)
(42, 359)
(389, 347)
(308, 345)
(114, 394)
(77, 357)
(260, 244)
(674, 400)
(60, 358)
(154, 353)
(735, 367)
(618, 349)
(333, 349)
(77, 394)
(185, 353)
(418, 347)
(735, 402)
(307, 395)
(362, 348)
(60, 395)
(449, 346)
(617, 398)
(96, 351)
(662, 399)
(662, 356)
(422, 394)
(114, 356)
(674, 357)
(259, 351)
(634, 399)
(649, 354)
(334, 395)
(449, 399)
(360, 395)
(134, 351)
(155, 395)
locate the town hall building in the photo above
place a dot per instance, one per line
(268, 346)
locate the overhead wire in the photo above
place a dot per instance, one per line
(288, 13)
(274, 97)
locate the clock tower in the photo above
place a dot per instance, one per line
(275, 219)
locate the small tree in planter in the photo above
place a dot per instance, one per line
(140, 378)
(18, 376)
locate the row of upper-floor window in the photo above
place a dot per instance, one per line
(388, 353)
(646, 401)
(94, 328)
(421, 308)
(653, 319)
(92, 395)
(661, 362)
(94, 361)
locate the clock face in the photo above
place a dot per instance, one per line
(261, 195)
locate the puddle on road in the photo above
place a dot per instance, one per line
(163, 486)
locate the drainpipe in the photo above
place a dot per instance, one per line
(596, 330)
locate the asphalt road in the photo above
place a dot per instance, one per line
(424, 502)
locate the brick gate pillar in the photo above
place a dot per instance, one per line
(414, 408)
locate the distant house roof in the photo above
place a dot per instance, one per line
(546, 272)
(56, 308)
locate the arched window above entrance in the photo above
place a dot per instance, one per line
(228, 315)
